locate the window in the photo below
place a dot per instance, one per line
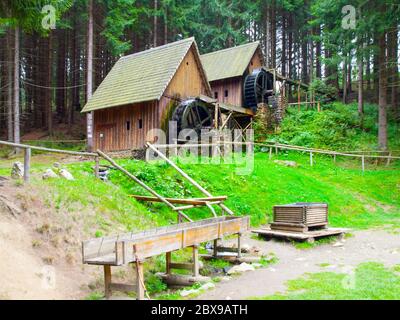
(128, 125)
(226, 93)
(216, 95)
(140, 124)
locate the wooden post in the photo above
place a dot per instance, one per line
(319, 106)
(298, 97)
(311, 159)
(276, 150)
(97, 167)
(139, 281)
(388, 159)
(107, 281)
(215, 254)
(168, 263)
(216, 111)
(27, 164)
(239, 252)
(195, 261)
(363, 163)
(270, 153)
(334, 157)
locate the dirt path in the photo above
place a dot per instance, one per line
(371, 245)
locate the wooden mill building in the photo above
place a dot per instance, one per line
(141, 90)
(226, 70)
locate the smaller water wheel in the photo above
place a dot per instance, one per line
(258, 86)
(192, 114)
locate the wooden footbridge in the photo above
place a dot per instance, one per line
(134, 248)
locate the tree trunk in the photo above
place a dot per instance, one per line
(17, 133)
(89, 75)
(345, 80)
(318, 68)
(155, 23)
(10, 131)
(382, 134)
(360, 83)
(284, 37)
(61, 76)
(376, 68)
(165, 25)
(273, 35)
(49, 113)
(394, 83)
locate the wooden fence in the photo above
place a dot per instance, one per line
(278, 146)
(28, 152)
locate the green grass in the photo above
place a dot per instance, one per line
(370, 281)
(355, 200)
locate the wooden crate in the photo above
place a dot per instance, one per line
(300, 217)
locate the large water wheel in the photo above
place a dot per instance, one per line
(258, 86)
(192, 114)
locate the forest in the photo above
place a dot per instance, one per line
(54, 54)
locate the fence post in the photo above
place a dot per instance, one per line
(27, 164)
(311, 159)
(388, 159)
(97, 167)
(334, 157)
(270, 153)
(319, 106)
(363, 163)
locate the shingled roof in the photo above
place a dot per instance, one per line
(141, 77)
(229, 63)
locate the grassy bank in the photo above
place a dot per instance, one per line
(369, 281)
(355, 200)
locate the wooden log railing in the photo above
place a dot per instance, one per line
(28, 152)
(277, 146)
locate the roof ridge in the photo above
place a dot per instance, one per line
(191, 39)
(232, 48)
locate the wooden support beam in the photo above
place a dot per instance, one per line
(239, 248)
(196, 268)
(141, 183)
(168, 259)
(27, 164)
(107, 281)
(140, 289)
(187, 177)
(215, 249)
(311, 159)
(194, 201)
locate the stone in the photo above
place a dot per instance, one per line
(57, 165)
(185, 293)
(225, 279)
(287, 163)
(338, 244)
(243, 267)
(17, 170)
(208, 285)
(66, 174)
(49, 174)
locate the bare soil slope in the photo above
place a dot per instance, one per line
(39, 255)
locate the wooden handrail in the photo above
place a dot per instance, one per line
(27, 146)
